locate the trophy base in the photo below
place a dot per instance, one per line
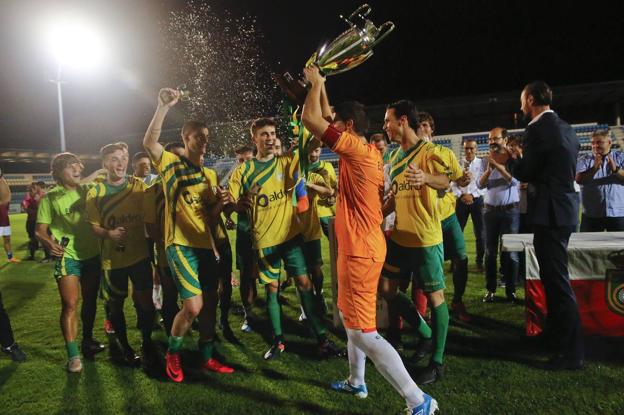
(293, 87)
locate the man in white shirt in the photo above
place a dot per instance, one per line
(501, 215)
(470, 198)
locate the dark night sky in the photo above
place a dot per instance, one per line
(439, 49)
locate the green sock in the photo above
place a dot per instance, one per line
(273, 308)
(408, 311)
(206, 348)
(175, 344)
(309, 302)
(72, 349)
(440, 317)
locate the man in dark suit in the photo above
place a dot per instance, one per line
(548, 162)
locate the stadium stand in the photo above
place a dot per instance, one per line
(19, 182)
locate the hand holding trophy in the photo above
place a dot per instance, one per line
(347, 51)
(169, 96)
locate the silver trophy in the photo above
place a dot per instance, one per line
(350, 49)
(185, 94)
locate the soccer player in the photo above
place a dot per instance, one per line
(379, 140)
(192, 212)
(243, 153)
(115, 212)
(245, 261)
(318, 187)
(361, 246)
(262, 188)
(7, 341)
(453, 236)
(142, 167)
(155, 225)
(325, 204)
(277, 147)
(62, 214)
(415, 247)
(224, 269)
(30, 204)
(5, 231)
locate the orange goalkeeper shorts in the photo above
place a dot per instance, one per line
(357, 291)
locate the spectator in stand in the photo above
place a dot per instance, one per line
(470, 198)
(501, 215)
(601, 176)
(30, 205)
(7, 342)
(379, 141)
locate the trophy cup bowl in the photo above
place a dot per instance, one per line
(185, 94)
(348, 50)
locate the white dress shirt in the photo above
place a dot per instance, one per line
(538, 116)
(475, 167)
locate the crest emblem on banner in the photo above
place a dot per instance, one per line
(615, 283)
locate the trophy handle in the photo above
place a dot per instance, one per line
(384, 30)
(363, 10)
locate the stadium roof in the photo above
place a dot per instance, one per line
(12, 155)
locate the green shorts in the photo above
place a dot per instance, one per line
(244, 252)
(115, 281)
(78, 267)
(454, 243)
(424, 264)
(312, 253)
(270, 260)
(194, 269)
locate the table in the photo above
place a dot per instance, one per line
(596, 265)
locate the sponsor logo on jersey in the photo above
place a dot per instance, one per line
(403, 187)
(121, 220)
(264, 200)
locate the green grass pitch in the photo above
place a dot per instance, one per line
(490, 364)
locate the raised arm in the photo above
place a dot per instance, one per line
(150, 141)
(312, 115)
(485, 176)
(326, 109)
(501, 169)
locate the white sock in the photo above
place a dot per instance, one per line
(388, 363)
(303, 314)
(357, 363)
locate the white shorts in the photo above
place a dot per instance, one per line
(5, 231)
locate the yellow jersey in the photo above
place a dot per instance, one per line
(218, 228)
(113, 206)
(272, 216)
(417, 212)
(447, 198)
(323, 207)
(189, 193)
(154, 204)
(309, 220)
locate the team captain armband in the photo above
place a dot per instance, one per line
(331, 136)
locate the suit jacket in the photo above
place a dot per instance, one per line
(549, 164)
